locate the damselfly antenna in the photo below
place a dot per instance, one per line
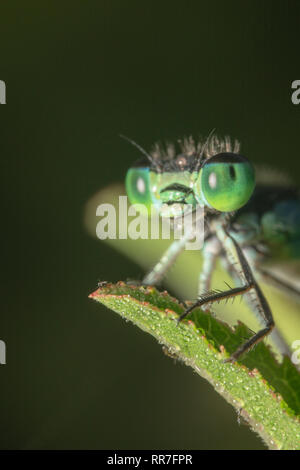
(150, 158)
(200, 153)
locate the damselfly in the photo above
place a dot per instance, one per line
(247, 221)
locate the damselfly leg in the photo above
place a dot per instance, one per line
(234, 252)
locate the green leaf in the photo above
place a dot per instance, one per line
(264, 392)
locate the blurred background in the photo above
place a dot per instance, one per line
(78, 73)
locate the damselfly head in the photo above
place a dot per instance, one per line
(209, 172)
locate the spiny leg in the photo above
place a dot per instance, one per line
(251, 299)
(234, 253)
(257, 337)
(292, 291)
(216, 297)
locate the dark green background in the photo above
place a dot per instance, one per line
(78, 73)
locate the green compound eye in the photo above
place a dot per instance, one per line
(227, 181)
(138, 185)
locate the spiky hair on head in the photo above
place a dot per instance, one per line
(219, 145)
(188, 153)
